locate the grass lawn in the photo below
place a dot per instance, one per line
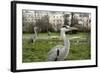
(37, 51)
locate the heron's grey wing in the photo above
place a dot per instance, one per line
(52, 55)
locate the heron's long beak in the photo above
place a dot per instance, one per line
(70, 28)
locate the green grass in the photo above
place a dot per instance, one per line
(37, 52)
(79, 52)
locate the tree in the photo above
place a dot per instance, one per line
(66, 19)
(30, 28)
(43, 23)
(72, 18)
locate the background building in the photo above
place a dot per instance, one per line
(54, 20)
(57, 20)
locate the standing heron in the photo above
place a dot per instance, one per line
(59, 52)
(33, 38)
(49, 34)
(35, 31)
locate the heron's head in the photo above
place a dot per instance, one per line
(66, 28)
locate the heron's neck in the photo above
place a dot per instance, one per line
(65, 39)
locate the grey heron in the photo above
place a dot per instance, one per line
(35, 31)
(33, 38)
(59, 52)
(49, 34)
